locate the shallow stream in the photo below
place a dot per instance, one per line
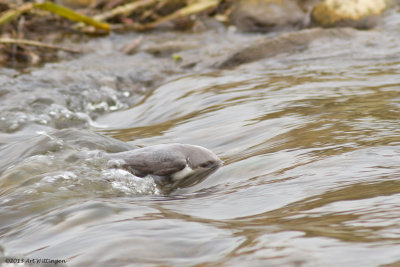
(310, 142)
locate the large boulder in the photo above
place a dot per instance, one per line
(361, 14)
(266, 15)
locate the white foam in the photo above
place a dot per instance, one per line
(127, 183)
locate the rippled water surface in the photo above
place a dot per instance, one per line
(310, 141)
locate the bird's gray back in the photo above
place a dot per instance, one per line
(166, 159)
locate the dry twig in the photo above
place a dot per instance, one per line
(36, 44)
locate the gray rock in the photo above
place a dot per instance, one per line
(284, 43)
(266, 15)
(361, 14)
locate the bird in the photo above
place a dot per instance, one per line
(174, 164)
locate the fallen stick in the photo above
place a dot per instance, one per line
(59, 10)
(123, 10)
(193, 8)
(133, 46)
(37, 44)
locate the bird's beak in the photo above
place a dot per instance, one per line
(199, 175)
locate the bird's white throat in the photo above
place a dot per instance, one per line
(182, 173)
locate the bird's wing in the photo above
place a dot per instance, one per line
(154, 162)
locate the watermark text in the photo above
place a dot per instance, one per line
(34, 261)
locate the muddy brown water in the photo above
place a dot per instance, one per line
(310, 141)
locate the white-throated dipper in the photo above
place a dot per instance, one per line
(178, 165)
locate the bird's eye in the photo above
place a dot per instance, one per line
(206, 164)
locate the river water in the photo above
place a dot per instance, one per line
(310, 142)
